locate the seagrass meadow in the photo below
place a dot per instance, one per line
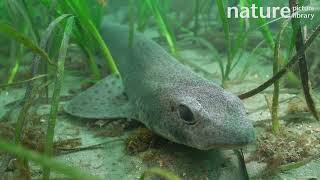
(159, 89)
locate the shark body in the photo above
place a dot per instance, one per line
(167, 97)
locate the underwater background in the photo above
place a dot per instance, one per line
(51, 51)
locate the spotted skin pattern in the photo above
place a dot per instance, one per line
(167, 97)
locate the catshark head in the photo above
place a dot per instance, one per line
(203, 117)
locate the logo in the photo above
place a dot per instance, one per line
(302, 12)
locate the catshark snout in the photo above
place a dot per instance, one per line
(207, 120)
(232, 134)
(228, 127)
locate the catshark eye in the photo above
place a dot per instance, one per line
(186, 114)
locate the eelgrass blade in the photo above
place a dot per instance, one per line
(239, 56)
(82, 38)
(242, 164)
(284, 70)
(45, 161)
(96, 11)
(196, 17)
(159, 172)
(80, 10)
(23, 82)
(143, 15)
(105, 50)
(30, 91)
(250, 60)
(160, 19)
(25, 13)
(11, 32)
(48, 148)
(15, 55)
(131, 23)
(276, 85)
(240, 39)
(265, 30)
(92, 64)
(303, 68)
(226, 30)
(24, 111)
(14, 71)
(43, 44)
(215, 54)
(22, 117)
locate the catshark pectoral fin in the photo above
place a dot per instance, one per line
(105, 100)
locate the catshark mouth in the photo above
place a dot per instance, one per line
(230, 146)
(232, 143)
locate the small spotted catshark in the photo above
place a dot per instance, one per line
(167, 97)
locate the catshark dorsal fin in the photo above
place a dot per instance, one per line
(105, 100)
